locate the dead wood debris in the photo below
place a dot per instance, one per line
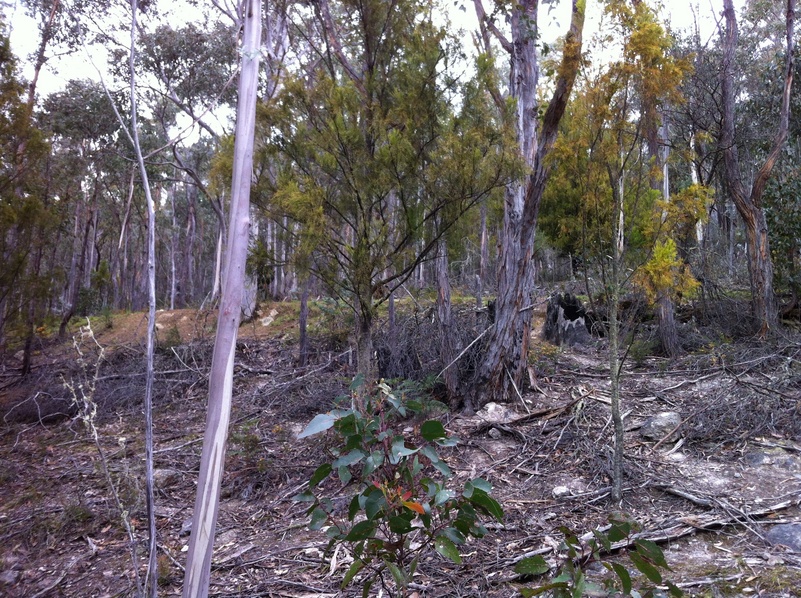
(562, 442)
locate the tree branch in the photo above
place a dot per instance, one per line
(487, 22)
(333, 42)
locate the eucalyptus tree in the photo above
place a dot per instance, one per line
(749, 202)
(501, 372)
(86, 154)
(204, 521)
(377, 166)
(25, 209)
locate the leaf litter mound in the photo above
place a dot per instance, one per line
(709, 492)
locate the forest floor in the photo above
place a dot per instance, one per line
(710, 493)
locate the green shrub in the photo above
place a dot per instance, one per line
(400, 505)
(571, 582)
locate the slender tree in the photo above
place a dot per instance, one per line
(204, 520)
(381, 167)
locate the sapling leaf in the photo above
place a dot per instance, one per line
(622, 574)
(344, 474)
(673, 590)
(414, 506)
(533, 565)
(399, 450)
(442, 497)
(603, 539)
(481, 484)
(305, 496)
(429, 453)
(443, 468)
(645, 567)
(397, 574)
(360, 531)
(368, 583)
(357, 382)
(354, 568)
(528, 592)
(318, 519)
(447, 548)
(400, 525)
(350, 458)
(354, 507)
(454, 535)
(320, 423)
(652, 552)
(433, 430)
(375, 504)
(320, 474)
(450, 441)
(619, 530)
(487, 503)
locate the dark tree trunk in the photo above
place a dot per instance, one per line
(749, 204)
(448, 339)
(303, 348)
(668, 332)
(505, 363)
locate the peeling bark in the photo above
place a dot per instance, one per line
(749, 203)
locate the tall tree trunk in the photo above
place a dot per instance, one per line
(152, 586)
(204, 521)
(189, 253)
(448, 340)
(749, 204)
(173, 248)
(303, 344)
(483, 264)
(505, 362)
(613, 297)
(76, 276)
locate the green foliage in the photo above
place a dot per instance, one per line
(172, 338)
(400, 504)
(665, 272)
(571, 581)
(372, 163)
(783, 214)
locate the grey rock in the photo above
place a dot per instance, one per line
(786, 534)
(186, 527)
(775, 456)
(660, 425)
(9, 577)
(164, 478)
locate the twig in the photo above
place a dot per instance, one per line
(684, 382)
(459, 356)
(517, 391)
(56, 583)
(704, 502)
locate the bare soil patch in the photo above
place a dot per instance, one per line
(709, 492)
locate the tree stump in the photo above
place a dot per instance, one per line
(565, 321)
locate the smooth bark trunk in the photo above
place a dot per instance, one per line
(204, 521)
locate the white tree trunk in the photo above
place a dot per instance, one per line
(204, 521)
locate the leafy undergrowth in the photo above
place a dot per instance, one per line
(700, 494)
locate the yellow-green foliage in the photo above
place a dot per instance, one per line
(665, 272)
